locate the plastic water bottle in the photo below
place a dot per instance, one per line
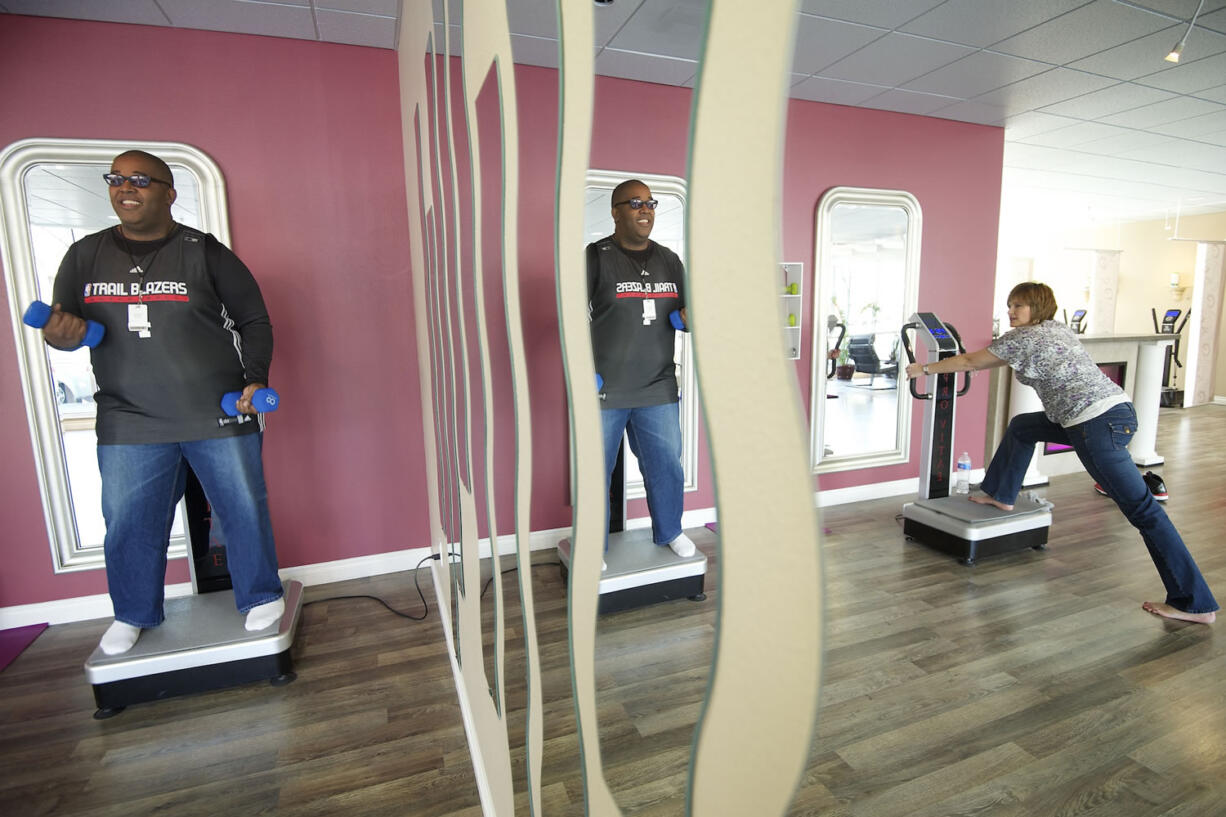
(962, 482)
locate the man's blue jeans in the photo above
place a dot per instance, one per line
(141, 486)
(654, 433)
(1102, 446)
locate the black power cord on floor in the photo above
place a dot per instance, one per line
(416, 583)
(490, 580)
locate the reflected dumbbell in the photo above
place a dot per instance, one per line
(263, 400)
(38, 313)
(676, 320)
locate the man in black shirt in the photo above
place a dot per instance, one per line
(185, 323)
(634, 284)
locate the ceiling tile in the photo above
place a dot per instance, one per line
(976, 74)
(977, 112)
(894, 60)
(1195, 126)
(1217, 94)
(1184, 153)
(1114, 99)
(672, 29)
(1094, 27)
(984, 22)
(141, 12)
(884, 13)
(908, 102)
(612, 62)
(540, 51)
(356, 29)
(822, 42)
(1172, 110)
(1047, 88)
(835, 91)
(1123, 141)
(1030, 123)
(540, 17)
(1189, 77)
(243, 18)
(1073, 135)
(1181, 9)
(380, 8)
(608, 20)
(1137, 58)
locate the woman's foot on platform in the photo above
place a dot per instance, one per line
(119, 638)
(1167, 611)
(987, 500)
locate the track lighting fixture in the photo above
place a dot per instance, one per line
(1177, 51)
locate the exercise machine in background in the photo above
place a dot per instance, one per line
(953, 524)
(1077, 324)
(1172, 395)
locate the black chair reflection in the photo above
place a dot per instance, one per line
(863, 353)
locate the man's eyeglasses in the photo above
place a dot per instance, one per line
(636, 203)
(137, 179)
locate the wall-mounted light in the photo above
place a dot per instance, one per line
(1178, 49)
(1177, 289)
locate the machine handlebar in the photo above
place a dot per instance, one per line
(906, 345)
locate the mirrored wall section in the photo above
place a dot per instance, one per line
(54, 195)
(867, 277)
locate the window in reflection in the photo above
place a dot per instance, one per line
(866, 282)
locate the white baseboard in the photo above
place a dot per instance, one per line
(1219, 399)
(86, 608)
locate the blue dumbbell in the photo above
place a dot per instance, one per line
(38, 313)
(599, 382)
(674, 318)
(264, 401)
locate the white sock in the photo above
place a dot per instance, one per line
(263, 615)
(119, 638)
(682, 546)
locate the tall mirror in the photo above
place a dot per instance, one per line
(669, 231)
(866, 280)
(52, 193)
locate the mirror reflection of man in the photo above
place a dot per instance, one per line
(633, 285)
(185, 323)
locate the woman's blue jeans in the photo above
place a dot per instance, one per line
(654, 433)
(1102, 446)
(142, 485)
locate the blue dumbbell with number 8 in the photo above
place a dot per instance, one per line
(263, 400)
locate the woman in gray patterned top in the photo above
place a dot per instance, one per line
(1082, 408)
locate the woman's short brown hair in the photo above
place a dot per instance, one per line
(1039, 297)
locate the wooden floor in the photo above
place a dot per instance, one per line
(1030, 684)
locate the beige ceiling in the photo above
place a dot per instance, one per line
(1092, 114)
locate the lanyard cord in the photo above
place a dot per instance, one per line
(137, 268)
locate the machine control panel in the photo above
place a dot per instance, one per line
(944, 341)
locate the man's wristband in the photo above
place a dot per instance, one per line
(924, 369)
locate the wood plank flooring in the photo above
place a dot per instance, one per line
(1031, 684)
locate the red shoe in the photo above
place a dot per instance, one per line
(1099, 488)
(1156, 486)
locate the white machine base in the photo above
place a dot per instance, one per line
(641, 572)
(968, 530)
(202, 645)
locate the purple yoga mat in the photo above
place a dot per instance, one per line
(13, 641)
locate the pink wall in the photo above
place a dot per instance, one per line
(317, 210)
(311, 152)
(952, 168)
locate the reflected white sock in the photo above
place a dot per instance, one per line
(265, 614)
(119, 638)
(682, 546)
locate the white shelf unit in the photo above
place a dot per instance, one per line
(791, 307)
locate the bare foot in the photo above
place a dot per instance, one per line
(1167, 611)
(987, 500)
